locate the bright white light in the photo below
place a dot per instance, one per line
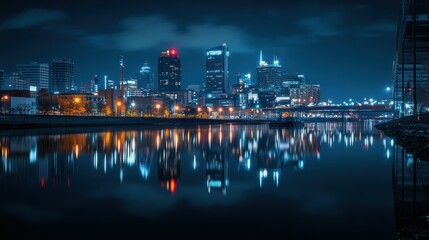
(213, 53)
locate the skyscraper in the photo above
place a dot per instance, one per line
(169, 71)
(217, 69)
(34, 74)
(94, 84)
(411, 63)
(61, 76)
(146, 78)
(269, 76)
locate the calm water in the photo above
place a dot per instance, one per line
(324, 181)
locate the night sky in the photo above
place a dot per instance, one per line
(346, 46)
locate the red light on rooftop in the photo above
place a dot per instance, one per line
(173, 52)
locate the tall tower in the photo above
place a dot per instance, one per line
(121, 74)
(217, 73)
(146, 78)
(269, 76)
(61, 76)
(35, 74)
(169, 71)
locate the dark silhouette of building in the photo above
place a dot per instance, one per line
(411, 63)
(217, 69)
(61, 76)
(169, 71)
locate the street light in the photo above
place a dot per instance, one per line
(199, 111)
(157, 106)
(4, 105)
(118, 106)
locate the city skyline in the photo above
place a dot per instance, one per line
(330, 44)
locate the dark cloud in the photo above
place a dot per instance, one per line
(32, 18)
(323, 26)
(139, 33)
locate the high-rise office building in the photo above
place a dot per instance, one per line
(15, 82)
(146, 78)
(169, 71)
(94, 84)
(411, 63)
(217, 72)
(34, 74)
(269, 76)
(61, 76)
(244, 78)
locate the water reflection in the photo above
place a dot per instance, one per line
(411, 194)
(267, 152)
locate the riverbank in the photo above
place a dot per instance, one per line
(412, 133)
(54, 121)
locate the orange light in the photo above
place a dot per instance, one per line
(173, 185)
(6, 97)
(220, 109)
(199, 109)
(119, 103)
(230, 109)
(76, 100)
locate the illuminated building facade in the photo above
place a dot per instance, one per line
(34, 74)
(217, 72)
(268, 76)
(169, 71)
(146, 78)
(411, 63)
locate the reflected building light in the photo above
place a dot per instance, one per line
(301, 164)
(371, 140)
(384, 143)
(157, 142)
(366, 143)
(262, 174)
(276, 177)
(121, 175)
(388, 153)
(318, 155)
(33, 154)
(95, 161)
(76, 151)
(248, 164)
(144, 171)
(105, 163)
(209, 138)
(392, 142)
(195, 162)
(339, 137)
